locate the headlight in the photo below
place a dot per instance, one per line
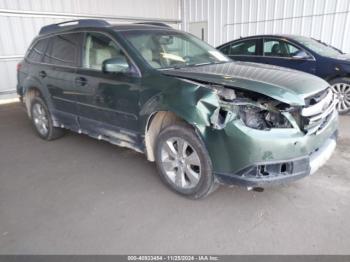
(262, 119)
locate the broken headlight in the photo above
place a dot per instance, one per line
(255, 110)
(262, 118)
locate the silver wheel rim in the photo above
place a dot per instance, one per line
(40, 119)
(342, 92)
(181, 163)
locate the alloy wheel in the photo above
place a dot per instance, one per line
(40, 119)
(342, 92)
(181, 163)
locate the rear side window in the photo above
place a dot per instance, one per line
(63, 49)
(243, 48)
(36, 52)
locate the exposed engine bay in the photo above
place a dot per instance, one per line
(257, 111)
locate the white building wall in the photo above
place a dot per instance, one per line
(327, 20)
(20, 21)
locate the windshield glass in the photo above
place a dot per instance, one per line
(318, 47)
(169, 49)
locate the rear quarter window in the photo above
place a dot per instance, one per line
(247, 47)
(36, 53)
(225, 50)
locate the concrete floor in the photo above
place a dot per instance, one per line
(77, 195)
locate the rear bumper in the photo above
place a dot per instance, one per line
(279, 172)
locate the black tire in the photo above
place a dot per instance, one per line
(52, 132)
(206, 183)
(342, 83)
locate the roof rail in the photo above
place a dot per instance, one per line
(72, 24)
(154, 23)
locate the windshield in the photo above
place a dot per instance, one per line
(318, 47)
(169, 49)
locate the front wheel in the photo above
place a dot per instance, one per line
(341, 88)
(183, 162)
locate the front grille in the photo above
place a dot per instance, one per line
(318, 111)
(314, 99)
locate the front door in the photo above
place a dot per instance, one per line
(107, 101)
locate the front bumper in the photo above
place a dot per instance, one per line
(272, 173)
(249, 157)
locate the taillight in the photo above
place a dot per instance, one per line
(19, 65)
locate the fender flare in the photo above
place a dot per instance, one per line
(34, 82)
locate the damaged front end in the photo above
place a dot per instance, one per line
(254, 110)
(255, 140)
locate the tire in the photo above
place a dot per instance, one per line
(190, 173)
(43, 118)
(341, 87)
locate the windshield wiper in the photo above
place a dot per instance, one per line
(191, 65)
(205, 63)
(209, 63)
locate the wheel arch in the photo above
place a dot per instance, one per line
(195, 108)
(33, 88)
(338, 76)
(156, 122)
(29, 94)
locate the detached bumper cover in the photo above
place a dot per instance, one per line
(279, 172)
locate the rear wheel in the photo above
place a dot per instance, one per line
(183, 162)
(341, 88)
(42, 121)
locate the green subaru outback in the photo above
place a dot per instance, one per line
(203, 118)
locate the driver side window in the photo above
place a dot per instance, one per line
(97, 49)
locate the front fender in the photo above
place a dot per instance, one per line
(193, 103)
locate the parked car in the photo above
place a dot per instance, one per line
(203, 119)
(297, 52)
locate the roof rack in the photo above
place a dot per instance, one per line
(154, 23)
(73, 24)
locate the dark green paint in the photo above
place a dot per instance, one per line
(127, 101)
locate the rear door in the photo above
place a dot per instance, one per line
(281, 52)
(243, 50)
(32, 65)
(61, 59)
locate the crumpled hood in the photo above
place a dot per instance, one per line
(286, 85)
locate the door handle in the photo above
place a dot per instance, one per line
(42, 74)
(81, 81)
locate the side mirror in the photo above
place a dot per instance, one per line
(116, 65)
(302, 55)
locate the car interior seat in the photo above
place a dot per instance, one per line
(276, 50)
(99, 52)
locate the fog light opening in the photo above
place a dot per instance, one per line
(263, 170)
(283, 168)
(258, 189)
